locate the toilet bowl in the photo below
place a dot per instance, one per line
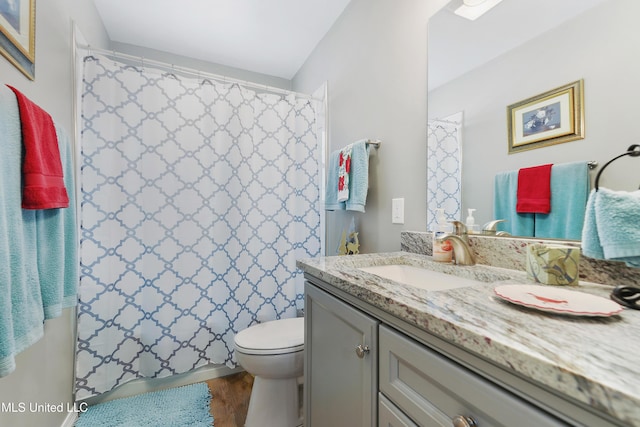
(273, 352)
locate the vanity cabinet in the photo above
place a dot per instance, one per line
(438, 366)
(341, 363)
(364, 367)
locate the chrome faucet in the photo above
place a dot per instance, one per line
(491, 227)
(459, 239)
(459, 229)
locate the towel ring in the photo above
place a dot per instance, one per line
(633, 151)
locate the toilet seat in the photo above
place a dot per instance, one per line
(274, 337)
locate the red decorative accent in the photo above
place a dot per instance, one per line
(534, 190)
(550, 300)
(43, 182)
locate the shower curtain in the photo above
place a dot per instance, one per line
(444, 168)
(196, 199)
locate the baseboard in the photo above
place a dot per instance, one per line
(145, 385)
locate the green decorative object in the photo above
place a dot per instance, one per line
(553, 264)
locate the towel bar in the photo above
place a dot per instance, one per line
(633, 151)
(375, 143)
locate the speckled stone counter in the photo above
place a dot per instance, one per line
(595, 361)
(509, 252)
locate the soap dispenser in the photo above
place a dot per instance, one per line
(442, 251)
(470, 222)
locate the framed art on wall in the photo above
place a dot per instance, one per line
(552, 117)
(17, 34)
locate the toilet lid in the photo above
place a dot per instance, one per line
(273, 337)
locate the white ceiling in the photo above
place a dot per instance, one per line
(457, 45)
(272, 37)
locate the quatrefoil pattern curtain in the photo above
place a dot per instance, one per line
(444, 169)
(196, 199)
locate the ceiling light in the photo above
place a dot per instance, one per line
(473, 9)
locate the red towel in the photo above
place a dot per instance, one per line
(42, 176)
(534, 190)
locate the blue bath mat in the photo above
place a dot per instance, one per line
(174, 407)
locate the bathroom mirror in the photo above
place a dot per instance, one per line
(518, 50)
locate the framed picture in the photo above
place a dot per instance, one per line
(552, 117)
(18, 34)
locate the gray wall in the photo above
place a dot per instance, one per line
(374, 60)
(595, 46)
(52, 88)
(44, 372)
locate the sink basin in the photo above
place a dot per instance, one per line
(420, 277)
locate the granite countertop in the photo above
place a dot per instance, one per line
(594, 360)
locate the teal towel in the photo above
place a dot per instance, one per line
(591, 246)
(21, 312)
(569, 193)
(611, 226)
(57, 246)
(38, 249)
(504, 206)
(358, 179)
(331, 191)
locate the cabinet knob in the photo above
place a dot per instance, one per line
(362, 351)
(462, 421)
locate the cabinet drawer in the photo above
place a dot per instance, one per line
(432, 390)
(390, 416)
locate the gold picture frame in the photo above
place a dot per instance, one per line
(550, 118)
(18, 34)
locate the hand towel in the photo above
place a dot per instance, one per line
(534, 189)
(504, 206)
(358, 179)
(344, 170)
(43, 183)
(611, 226)
(569, 192)
(331, 190)
(591, 245)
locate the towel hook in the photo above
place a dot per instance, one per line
(633, 151)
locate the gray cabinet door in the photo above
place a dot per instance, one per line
(340, 363)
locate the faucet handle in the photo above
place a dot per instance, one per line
(459, 229)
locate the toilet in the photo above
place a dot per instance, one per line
(273, 352)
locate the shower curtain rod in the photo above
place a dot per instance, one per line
(451, 122)
(191, 71)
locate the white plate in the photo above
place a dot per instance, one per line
(558, 300)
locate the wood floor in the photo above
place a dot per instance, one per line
(230, 399)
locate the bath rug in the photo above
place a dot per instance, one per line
(180, 406)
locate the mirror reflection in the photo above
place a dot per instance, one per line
(519, 50)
